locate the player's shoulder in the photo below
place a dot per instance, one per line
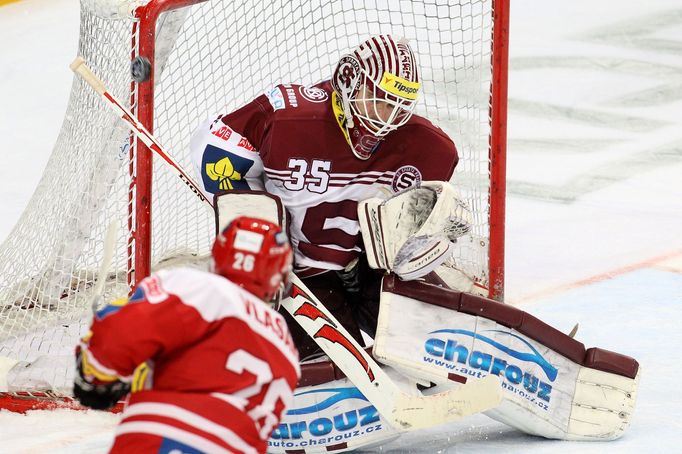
(419, 135)
(424, 130)
(211, 294)
(184, 276)
(293, 100)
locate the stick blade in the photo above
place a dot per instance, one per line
(419, 412)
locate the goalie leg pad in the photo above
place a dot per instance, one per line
(551, 385)
(330, 417)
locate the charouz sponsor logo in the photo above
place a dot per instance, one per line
(317, 425)
(509, 365)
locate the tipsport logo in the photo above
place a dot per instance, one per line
(315, 424)
(452, 355)
(399, 86)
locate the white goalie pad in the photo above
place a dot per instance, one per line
(551, 385)
(413, 232)
(330, 417)
(258, 204)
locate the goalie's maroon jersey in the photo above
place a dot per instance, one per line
(223, 365)
(290, 143)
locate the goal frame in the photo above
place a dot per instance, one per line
(138, 170)
(497, 151)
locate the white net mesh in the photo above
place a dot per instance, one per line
(211, 58)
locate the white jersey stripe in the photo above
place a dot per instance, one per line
(283, 173)
(367, 183)
(174, 433)
(235, 401)
(275, 172)
(356, 179)
(186, 417)
(368, 173)
(278, 178)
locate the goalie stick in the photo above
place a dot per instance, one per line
(79, 67)
(401, 409)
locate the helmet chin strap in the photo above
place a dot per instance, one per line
(346, 111)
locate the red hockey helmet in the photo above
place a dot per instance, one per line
(254, 254)
(376, 86)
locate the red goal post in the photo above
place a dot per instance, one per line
(212, 57)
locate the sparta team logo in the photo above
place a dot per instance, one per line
(406, 177)
(313, 94)
(347, 75)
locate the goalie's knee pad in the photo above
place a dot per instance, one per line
(259, 204)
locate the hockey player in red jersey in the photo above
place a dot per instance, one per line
(321, 149)
(218, 364)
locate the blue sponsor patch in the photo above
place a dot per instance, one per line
(224, 171)
(459, 357)
(336, 395)
(111, 308)
(169, 446)
(117, 304)
(315, 426)
(137, 296)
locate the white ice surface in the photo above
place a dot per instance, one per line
(594, 207)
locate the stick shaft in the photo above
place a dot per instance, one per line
(79, 67)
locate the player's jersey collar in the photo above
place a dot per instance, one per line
(362, 143)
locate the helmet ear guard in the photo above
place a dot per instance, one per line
(346, 82)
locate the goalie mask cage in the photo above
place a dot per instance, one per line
(212, 57)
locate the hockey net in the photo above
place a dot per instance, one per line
(212, 57)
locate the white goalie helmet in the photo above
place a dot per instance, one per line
(376, 86)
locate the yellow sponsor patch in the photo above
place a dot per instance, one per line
(90, 369)
(223, 171)
(140, 376)
(399, 86)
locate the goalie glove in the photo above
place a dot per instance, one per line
(413, 232)
(93, 392)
